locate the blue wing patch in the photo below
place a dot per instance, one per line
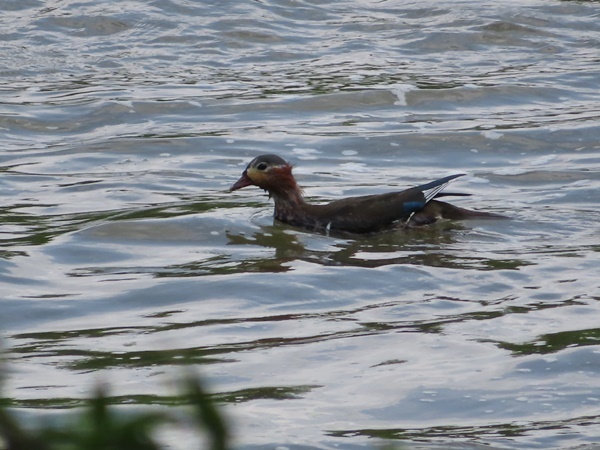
(411, 207)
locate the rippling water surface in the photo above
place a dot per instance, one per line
(124, 257)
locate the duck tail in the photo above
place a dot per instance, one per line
(447, 211)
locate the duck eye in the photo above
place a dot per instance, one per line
(262, 166)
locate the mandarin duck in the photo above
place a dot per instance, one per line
(365, 214)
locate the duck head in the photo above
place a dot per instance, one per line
(271, 173)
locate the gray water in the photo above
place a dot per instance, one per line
(125, 260)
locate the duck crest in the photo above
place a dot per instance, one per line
(283, 184)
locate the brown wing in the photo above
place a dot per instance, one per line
(368, 213)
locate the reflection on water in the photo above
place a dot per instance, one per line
(506, 433)
(124, 259)
(553, 343)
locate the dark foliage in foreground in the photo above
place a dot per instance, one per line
(100, 427)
